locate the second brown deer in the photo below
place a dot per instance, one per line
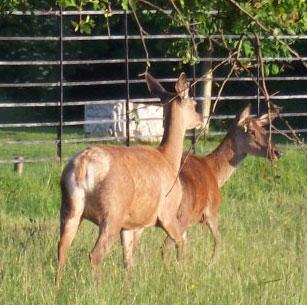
(124, 189)
(202, 177)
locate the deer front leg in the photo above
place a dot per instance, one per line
(169, 243)
(130, 239)
(136, 238)
(212, 223)
(174, 235)
(127, 237)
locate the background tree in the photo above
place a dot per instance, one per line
(266, 19)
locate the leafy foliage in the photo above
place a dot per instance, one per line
(7, 6)
(206, 17)
(279, 17)
(203, 17)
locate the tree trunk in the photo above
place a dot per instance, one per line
(205, 92)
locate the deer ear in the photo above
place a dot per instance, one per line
(241, 116)
(157, 89)
(182, 86)
(266, 118)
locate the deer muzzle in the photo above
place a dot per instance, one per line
(275, 154)
(200, 122)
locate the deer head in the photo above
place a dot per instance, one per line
(182, 101)
(252, 138)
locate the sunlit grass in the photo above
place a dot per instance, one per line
(263, 258)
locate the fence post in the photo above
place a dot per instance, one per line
(18, 165)
(60, 109)
(127, 82)
(194, 89)
(258, 77)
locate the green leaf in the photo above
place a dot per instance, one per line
(275, 69)
(267, 70)
(75, 25)
(68, 3)
(291, 31)
(247, 48)
(132, 4)
(125, 5)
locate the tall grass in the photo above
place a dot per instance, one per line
(263, 222)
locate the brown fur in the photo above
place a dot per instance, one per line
(126, 189)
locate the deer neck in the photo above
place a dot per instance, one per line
(174, 131)
(224, 160)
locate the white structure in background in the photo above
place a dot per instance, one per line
(146, 122)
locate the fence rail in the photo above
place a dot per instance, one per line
(133, 81)
(60, 83)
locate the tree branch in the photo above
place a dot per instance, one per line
(142, 32)
(185, 24)
(292, 51)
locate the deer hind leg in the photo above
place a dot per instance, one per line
(108, 233)
(70, 221)
(212, 222)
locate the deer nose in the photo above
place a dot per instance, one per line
(200, 122)
(277, 153)
(199, 125)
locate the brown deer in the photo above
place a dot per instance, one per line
(122, 189)
(201, 177)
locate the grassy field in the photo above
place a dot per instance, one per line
(263, 222)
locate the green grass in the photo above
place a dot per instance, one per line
(263, 222)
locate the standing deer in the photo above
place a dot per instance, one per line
(201, 177)
(122, 189)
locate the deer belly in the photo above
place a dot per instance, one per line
(142, 212)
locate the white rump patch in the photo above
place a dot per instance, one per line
(70, 181)
(75, 192)
(90, 176)
(97, 168)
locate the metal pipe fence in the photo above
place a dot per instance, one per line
(60, 83)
